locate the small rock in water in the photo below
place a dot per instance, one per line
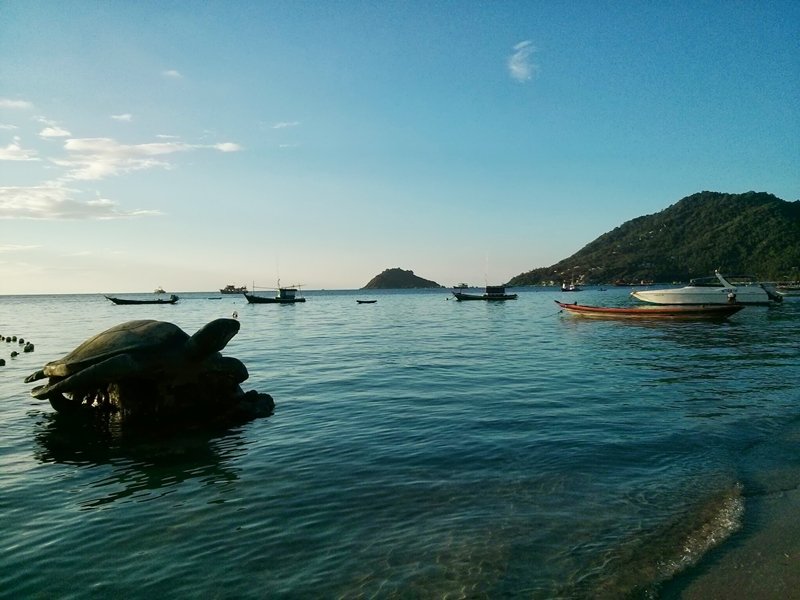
(28, 347)
(2, 362)
(14, 353)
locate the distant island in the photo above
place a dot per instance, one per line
(398, 279)
(754, 233)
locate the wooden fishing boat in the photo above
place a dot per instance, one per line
(654, 311)
(129, 301)
(285, 296)
(493, 293)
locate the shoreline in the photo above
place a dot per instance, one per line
(761, 561)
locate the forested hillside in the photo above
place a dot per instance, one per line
(754, 233)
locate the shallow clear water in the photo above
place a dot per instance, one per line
(419, 447)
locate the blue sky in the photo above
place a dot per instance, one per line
(193, 144)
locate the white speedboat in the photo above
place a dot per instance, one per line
(713, 290)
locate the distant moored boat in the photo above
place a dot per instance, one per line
(232, 289)
(493, 293)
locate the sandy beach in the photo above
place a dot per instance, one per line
(761, 562)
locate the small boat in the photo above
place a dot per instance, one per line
(232, 289)
(285, 296)
(714, 290)
(672, 311)
(171, 300)
(366, 301)
(159, 290)
(569, 287)
(493, 293)
(788, 289)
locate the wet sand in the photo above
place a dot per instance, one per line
(761, 562)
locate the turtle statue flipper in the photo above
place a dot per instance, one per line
(90, 378)
(35, 376)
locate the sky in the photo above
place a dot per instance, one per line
(190, 145)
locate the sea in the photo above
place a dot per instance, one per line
(420, 447)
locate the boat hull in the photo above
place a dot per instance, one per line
(487, 297)
(673, 311)
(723, 291)
(129, 302)
(698, 295)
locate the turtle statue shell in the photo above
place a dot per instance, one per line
(133, 336)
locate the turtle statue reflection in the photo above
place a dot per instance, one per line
(155, 371)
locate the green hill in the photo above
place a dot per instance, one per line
(395, 279)
(753, 233)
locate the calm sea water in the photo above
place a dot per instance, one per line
(420, 447)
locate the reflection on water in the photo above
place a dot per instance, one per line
(145, 464)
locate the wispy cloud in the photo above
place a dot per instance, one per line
(14, 151)
(171, 74)
(54, 132)
(228, 147)
(59, 202)
(15, 104)
(99, 158)
(52, 129)
(5, 126)
(126, 117)
(520, 64)
(285, 124)
(87, 159)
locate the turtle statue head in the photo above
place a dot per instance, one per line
(212, 337)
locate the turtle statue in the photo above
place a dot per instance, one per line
(152, 369)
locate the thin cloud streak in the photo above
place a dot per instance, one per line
(99, 158)
(126, 117)
(15, 104)
(11, 248)
(55, 202)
